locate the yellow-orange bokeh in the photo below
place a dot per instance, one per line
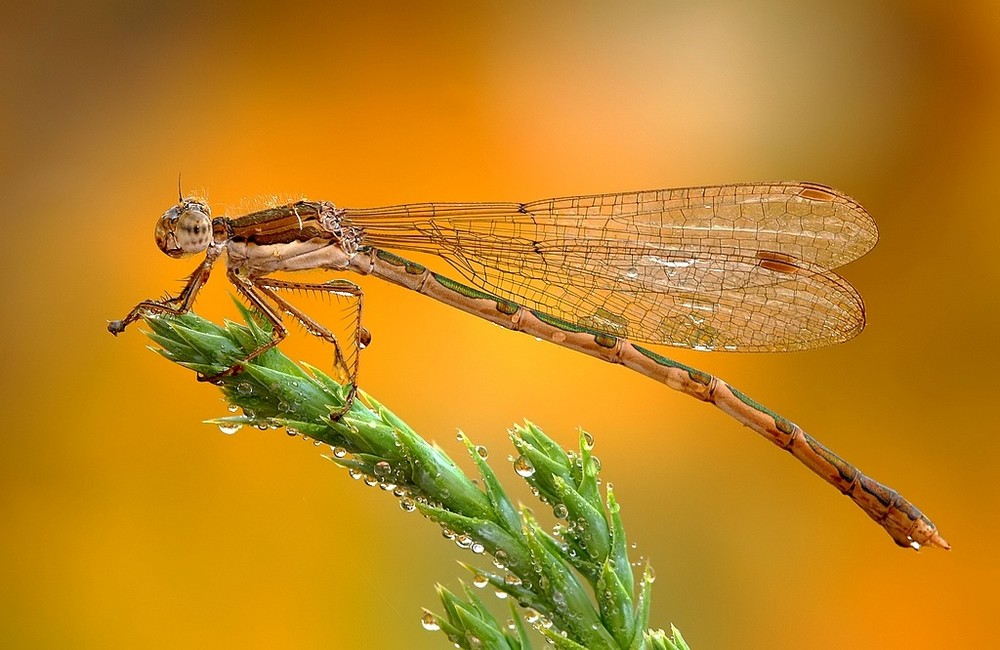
(128, 524)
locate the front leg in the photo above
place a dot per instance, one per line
(181, 304)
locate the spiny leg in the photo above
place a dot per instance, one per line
(247, 288)
(341, 288)
(181, 304)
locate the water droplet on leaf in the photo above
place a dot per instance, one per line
(229, 428)
(523, 467)
(430, 622)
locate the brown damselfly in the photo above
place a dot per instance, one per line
(743, 267)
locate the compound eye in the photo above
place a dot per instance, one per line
(193, 231)
(184, 229)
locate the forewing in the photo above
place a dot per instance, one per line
(737, 267)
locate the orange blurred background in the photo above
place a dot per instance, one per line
(127, 523)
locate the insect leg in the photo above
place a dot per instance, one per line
(248, 289)
(178, 305)
(361, 337)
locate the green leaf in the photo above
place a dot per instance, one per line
(440, 479)
(501, 504)
(615, 602)
(619, 551)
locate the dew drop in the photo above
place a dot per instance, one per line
(482, 451)
(229, 428)
(243, 388)
(588, 440)
(502, 595)
(531, 616)
(339, 452)
(478, 548)
(430, 622)
(407, 504)
(560, 511)
(632, 273)
(523, 467)
(382, 468)
(232, 408)
(480, 580)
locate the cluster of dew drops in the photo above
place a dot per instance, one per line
(246, 389)
(382, 477)
(524, 468)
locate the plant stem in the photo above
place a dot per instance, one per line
(553, 577)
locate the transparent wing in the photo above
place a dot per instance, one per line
(735, 267)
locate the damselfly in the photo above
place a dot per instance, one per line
(745, 267)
